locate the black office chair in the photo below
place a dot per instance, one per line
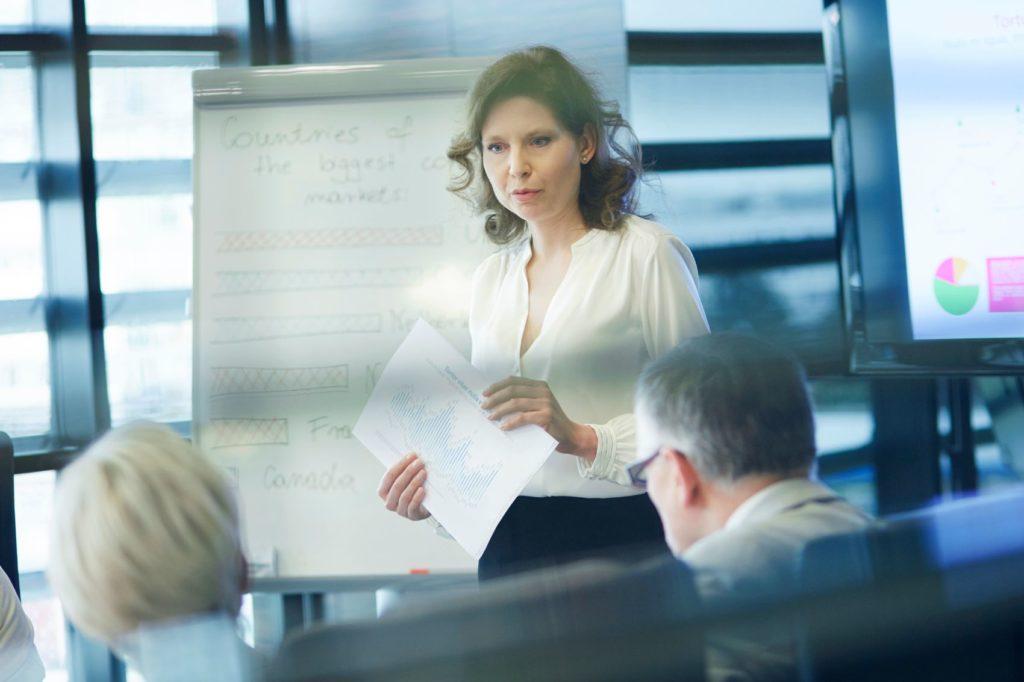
(8, 536)
(586, 621)
(936, 594)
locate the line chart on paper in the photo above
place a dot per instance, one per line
(430, 431)
(428, 401)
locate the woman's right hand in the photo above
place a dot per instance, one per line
(402, 488)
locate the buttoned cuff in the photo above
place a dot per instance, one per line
(603, 465)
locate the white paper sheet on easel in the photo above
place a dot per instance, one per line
(427, 401)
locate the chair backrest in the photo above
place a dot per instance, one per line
(955, 533)
(8, 534)
(836, 562)
(552, 624)
(935, 571)
(952, 534)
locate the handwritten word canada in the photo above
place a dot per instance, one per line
(327, 480)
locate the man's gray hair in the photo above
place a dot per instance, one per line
(737, 405)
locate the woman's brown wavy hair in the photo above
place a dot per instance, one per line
(607, 182)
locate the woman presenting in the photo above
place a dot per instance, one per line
(581, 294)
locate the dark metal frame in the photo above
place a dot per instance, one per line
(746, 154)
(767, 254)
(722, 49)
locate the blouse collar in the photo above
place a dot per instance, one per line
(525, 247)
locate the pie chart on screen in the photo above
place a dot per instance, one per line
(954, 293)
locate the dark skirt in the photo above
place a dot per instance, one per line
(539, 532)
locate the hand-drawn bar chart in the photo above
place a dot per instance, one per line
(241, 282)
(240, 329)
(241, 380)
(278, 240)
(227, 433)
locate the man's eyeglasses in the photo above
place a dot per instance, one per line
(638, 470)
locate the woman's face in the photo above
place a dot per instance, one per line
(532, 162)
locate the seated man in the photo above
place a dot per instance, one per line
(146, 555)
(727, 427)
(19, 660)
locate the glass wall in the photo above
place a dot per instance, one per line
(24, 359)
(142, 141)
(67, 239)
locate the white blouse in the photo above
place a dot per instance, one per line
(627, 297)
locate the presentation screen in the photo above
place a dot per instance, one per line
(928, 123)
(958, 89)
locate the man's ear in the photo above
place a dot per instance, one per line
(687, 480)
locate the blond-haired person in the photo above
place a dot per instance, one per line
(146, 554)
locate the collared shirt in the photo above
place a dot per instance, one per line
(759, 547)
(757, 555)
(19, 660)
(628, 296)
(789, 495)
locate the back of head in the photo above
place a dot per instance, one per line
(145, 529)
(736, 405)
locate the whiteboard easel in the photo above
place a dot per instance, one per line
(323, 231)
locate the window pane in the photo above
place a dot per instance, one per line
(21, 256)
(149, 371)
(844, 421)
(33, 499)
(857, 485)
(17, 125)
(145, 242)
(723, 15)
(797, 307)
(195, 13)
(998, 408)
(15, 13)
(728, 103)
(732, 206)
(996, 468)
(25, 383)
(142, 104)
(33, 509)
(842, 413)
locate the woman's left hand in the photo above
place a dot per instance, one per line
(532, 402)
